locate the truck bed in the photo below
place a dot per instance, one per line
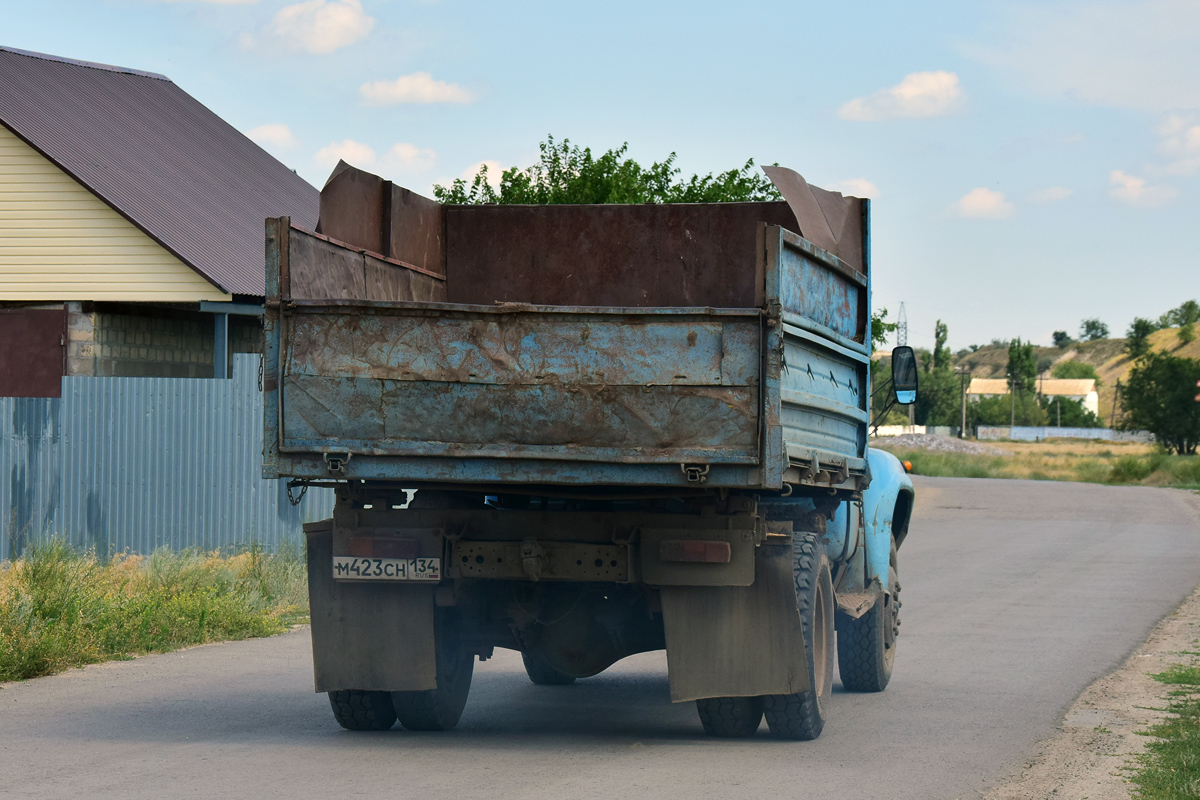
(587, 368)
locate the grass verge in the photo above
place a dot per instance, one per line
(1049, 461)
(1170, 766)
(61, 609)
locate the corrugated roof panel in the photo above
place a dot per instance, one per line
(177, 170)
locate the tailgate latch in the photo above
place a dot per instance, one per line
(336, 462)
(696, 473)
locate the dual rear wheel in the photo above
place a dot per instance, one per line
(866, 649)
(433, 710)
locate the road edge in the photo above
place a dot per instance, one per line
(1091, 754)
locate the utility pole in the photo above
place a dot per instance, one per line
(1116, 399)
(1012, 395)
(963, 374)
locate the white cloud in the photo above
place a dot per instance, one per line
(1051, 194)
(350, 151)
(1135, 191)
(420, 87)
(314, 26)
(920, 94)
(983, 203)
(858, 187)
(409, 158)
(1181, 141)
(1136, 55)
(275, 133)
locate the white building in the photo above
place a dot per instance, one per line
(1082, 390)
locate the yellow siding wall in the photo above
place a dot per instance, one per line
(58, 241)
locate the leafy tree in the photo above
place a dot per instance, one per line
(1022, 366)
(1160, 397)
(1000, 410)
(1188, 313)
(1186, 333)
(1074, 370)
(1092, 329)
(1069, 413)
(566, 173)
(1137, 338)
(941, 353)
(881, 328)
(1061, 339)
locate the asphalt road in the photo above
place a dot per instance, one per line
(1016, 596)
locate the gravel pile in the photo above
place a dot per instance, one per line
(943, 444)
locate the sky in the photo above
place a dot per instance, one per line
(1030, 164)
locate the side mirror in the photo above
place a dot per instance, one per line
(904, 375)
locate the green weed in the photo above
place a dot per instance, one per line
(61, 609)
(1170, 767)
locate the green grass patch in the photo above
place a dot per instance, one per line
(1170, 767)
(60, 608)
(1147, 469)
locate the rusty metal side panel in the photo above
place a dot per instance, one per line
(624, 387)
(32, 351)
(416, 230)
(817, 373)
(320, 269)
(820, 290)
(613, 255)
(351, 208)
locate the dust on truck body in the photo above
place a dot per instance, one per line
(584, 432)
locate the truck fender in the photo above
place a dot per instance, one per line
(887, 506)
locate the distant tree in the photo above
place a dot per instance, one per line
(1044, 363)
(941, 353)
(1137, 338)
(1092, 329)
(1061, 339)
(1075, 370)
(1000, 410)
(881, 329)
(1022, 366)
(1160, 397)
(1186, 334)
(1069, 413)
(566, 173)
(1188, 313)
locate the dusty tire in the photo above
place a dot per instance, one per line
(730, 717)
(802, 715)
(355, 710)
(440, 709)
(867, 645)
(543, 674)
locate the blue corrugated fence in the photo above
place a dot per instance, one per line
(137, 463)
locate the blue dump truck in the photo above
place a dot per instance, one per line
(584, 432)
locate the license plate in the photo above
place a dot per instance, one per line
(353, 568)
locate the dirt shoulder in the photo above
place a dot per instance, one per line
(1089, 757)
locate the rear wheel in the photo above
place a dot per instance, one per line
(730, 717)
(867, 645)
(541, 673)
(802, 715)
(440, 709)
(356, 710)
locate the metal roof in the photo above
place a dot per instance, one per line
(150, 150)
(1067, 387)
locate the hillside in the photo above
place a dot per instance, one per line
(1106, 355)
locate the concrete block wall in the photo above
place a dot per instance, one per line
(149, 342)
